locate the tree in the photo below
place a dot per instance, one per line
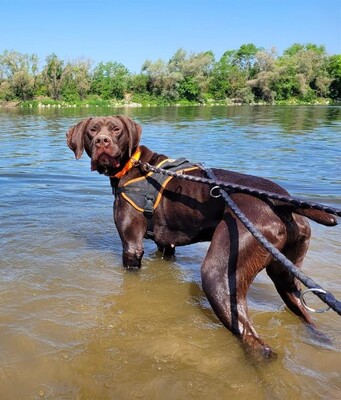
(189, 89)
(137, 83)
(220, 85)
(77, 80)
(191, 72)
(160, 80)
(110, 80)
(232, 72)
(303, 72)
(334, 70)
(263, 83)
(196, 71)
(245, 57)
(53, 76)
(20, 73)
(185, 76)
(297, 47)
(5, 91)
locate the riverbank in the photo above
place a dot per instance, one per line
(50, 103)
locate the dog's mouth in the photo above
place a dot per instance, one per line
(105, 164)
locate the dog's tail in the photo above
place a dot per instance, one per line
(318, 216)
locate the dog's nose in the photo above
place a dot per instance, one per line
(102, 141)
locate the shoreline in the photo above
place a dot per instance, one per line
(49, 103)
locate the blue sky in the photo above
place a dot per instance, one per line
(132, 31)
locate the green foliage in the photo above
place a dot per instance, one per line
(334, 70)
(77, 81)
(18, 75)
(245, 57)
(189, 89)
(297, 47)
(230, 75)
(110, 80)
(303, 73)
(53, 76)
(137, 83)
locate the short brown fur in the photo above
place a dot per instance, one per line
(188, 214)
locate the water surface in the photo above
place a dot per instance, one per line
(75, 325)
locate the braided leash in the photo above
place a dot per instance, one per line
(325, 296)
(242, 189)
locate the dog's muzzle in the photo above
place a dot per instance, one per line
(102, 141)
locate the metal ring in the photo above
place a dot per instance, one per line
(314, 290)
(215, 196)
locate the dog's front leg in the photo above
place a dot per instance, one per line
(132, 255)
(131, 226)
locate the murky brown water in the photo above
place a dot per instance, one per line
(75, 325)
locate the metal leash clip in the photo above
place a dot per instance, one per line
(313, 290)
(215, 196)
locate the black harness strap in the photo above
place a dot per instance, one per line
(148, 213)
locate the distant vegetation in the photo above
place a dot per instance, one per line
(302, 74)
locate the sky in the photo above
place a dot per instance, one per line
(133, 31)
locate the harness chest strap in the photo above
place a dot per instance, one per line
(145, 193)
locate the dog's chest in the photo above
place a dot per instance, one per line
(145, 193)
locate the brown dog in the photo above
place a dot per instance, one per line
(187, 213)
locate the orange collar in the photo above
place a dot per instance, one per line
(130, 163)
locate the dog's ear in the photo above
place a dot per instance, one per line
(134, 133)
(75, 137)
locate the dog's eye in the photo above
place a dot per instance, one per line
(93, 130)
(115, 129)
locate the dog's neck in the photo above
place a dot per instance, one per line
(145, 155)
(129, 164)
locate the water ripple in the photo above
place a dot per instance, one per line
(73, 324)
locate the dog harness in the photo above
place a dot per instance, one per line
(145, 193)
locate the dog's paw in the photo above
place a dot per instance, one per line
(132, 267)
(260, 354)
(132, 261)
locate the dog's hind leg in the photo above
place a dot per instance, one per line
(227, 272)
(287, 286)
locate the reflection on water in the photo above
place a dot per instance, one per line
(74, 324)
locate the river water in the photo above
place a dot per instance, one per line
(75, 325)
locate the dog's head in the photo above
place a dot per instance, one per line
(108, 141)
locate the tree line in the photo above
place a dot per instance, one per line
(250, 74)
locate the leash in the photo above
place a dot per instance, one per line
(243, 189)
(312, 286)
